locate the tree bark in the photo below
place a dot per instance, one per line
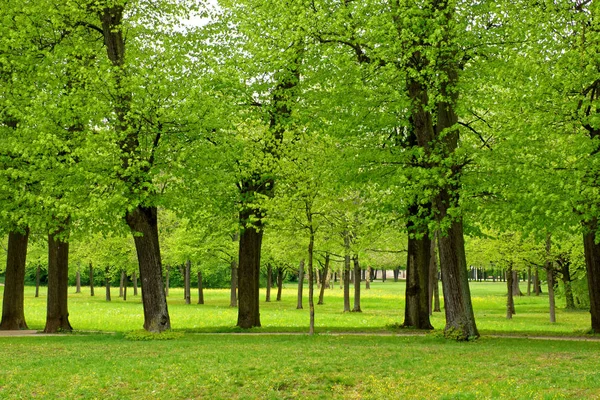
(324, 280)
(269, 282)
(57, 314)
(510, 303)
(279, 283)
(233, 289)
(356, 307)
(143, 220)
(107, 283)
(368, 280)
(550, 277)
(346, 272)
(529, 280)
(434, 292)
(515, 281)
(77, 282)
(249, 271)
(416, 309)
(566, 279)
(91, 273)
(311, 300)
(125, 284)
(300, 284)
(135, 283)
(13, 314)
(536, 282)
(121, 283)
(37, 281)
(187, 282)
(592, 264)
(200, 289)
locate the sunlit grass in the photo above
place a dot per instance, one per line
(382, 305)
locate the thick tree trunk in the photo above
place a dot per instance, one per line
(77, 282)
(37, 281)
(396, 274)
(233, 288)
(269, 282)
(143, 220)
(416, 309)
(324, 283)
(249, 272)
(300, 284)
(356, 307)
(460, 319)
(135, 283)
(200, 289)
(187, 282)
(592, 264)
(91, 273)
(57, 315)
(13, 315)
(510, 302)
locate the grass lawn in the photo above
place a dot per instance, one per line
(198, 364)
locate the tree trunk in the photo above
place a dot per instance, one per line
(416, 309)
(107, 283)
(13, 315)
(529, 280)
(566, 279)
(396, 274)
(311, 302)
(57, 315)
(125, 284)
(536, 282)
(324, 280)
(510, 303)
(249, 272)
(233, 292)
(187, 290)
(515, 281)
(346, 272)
(300, 284)
(37, 281)
(200, 289)
(77, 282)
(91, 273)
(167, 282)
(356, 307)
(156, 313)
(383, 275)
(269, 282)
(368, 280)
(279, 283)
(592, 264)
(550, 276)
(135, 283)
(121, 283)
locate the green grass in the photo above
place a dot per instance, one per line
(382, 305)
(195, 363)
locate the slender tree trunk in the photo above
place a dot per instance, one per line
(536, 282)
(37, 281)
(249, 272)
(550, 276)
(368, 280)
(346, 272)
(510, 303)
(107, 283)
(167, 281)
(13, 314)
(356, 307)
(416, 309)
(529, 280)
(592, 264)
(566, 279)
(57, 315)
(324, 281)
(187, 284)
(383, 275)
(121, 283)
(135, 283)
(279, 283)
(300, 284)
(77, 282)
(125, 284)
(311, 300)
(143, 220)
(269, 282)
(91, 272)
(233, 291)
(200, 288)
(396, 274)
(434, 292)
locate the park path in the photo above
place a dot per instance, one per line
(34, 333)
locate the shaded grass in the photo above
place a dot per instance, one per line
(287, 367)
(383, 306)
